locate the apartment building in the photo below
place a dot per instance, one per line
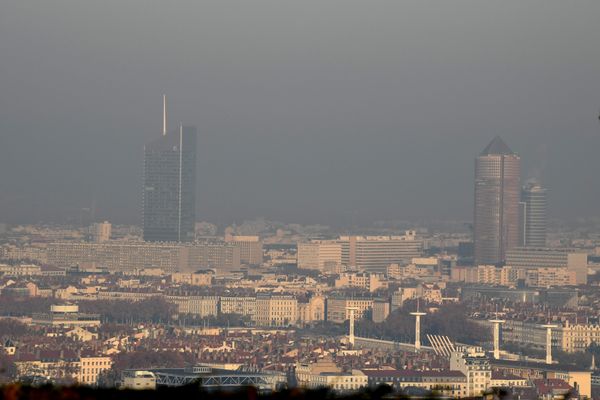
(510, 275)
(199, 278)
(381, 310)
(91, 367)
(276, 310)
(475, 365)
(448, 383)
(243, 305)
(251, 248)
(578, 337)
(338, 308)
(544, 257)
(338, 381)
(322, 255)
(376, 253)
(201, 306)
(130, 256)
(62, 365)
(363, 280)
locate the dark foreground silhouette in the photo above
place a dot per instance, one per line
(21, 392)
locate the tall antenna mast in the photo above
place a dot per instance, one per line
(164, 132)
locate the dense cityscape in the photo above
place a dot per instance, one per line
(458, 310)
(305, 200)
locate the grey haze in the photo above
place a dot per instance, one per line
(307, 111)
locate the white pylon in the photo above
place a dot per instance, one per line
(351, 325)
(497, 322)
(549, 342)
(418, 315)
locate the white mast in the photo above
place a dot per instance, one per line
(164, 132)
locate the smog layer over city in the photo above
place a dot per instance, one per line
(306, 199)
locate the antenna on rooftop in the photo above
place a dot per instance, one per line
(164, 131)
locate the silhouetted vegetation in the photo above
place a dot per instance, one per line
(451, 320)
(19, 392)
(148, 359)
(581, 359)
(220, 320)
(154, 309)
(11, 328)
(20, 307)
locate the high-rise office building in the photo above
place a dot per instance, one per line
(170, 186)
(533, 215)
(497, 193)
(376, 253)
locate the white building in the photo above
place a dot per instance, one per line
(324, 255)
(138, 380)
(101, 231)
(339, 381)
(376, 253)
(542, 257)
(251, 248)
(276, 310)
(362, 280)
(475, 365)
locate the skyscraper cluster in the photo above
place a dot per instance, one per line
(505, 215)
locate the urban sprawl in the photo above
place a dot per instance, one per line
(509, 302)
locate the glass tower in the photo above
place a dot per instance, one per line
(533, 218)
(170, 187)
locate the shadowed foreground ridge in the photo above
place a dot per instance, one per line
(49, 392)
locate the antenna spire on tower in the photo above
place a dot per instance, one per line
(164, 131)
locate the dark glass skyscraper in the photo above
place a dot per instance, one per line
(533, 215)
(170, 187)
(497, 195)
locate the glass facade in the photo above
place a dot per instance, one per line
(533, 198)
(170, 187)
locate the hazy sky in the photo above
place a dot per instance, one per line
(307, 111)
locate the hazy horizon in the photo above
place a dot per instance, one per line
(311, 112)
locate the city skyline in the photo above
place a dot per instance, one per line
(296, 125)
(327, 206)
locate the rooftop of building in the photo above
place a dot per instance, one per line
(497, 146)
(413, 373)
(538, 366)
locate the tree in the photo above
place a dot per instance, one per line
(10, 327)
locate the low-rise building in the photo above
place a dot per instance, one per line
(199, 278)
(322, 255)
(338, 308)
(251, 248)
(311, 310)
(138, 380)
(276, 310)
(339, 381)
(475, 365)
(363, 280)
(67, 315)
(381, 310)
(242, 305)
(448, 383)
(91, 367)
